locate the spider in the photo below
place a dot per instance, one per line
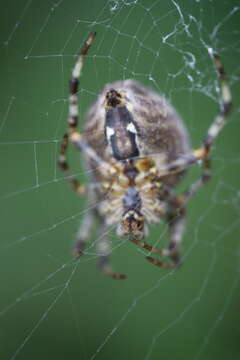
(137, 149)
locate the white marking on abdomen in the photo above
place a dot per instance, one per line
(110, 132)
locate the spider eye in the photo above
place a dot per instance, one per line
(121, 132)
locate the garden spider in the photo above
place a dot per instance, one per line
(137, 148)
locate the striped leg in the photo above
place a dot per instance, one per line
(176, 219)
(103, 255)
(73, 135)
(146, 246)
(74, 82)
(203, 152)
(73, 116)
(205, 177)
(176, 223)
(219, 120)
(63, 164)
(213, 131)
(84, 232)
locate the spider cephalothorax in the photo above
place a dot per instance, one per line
(132, 198)
(138, 150)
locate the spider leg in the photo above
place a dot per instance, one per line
(74, 135)
(146, 246)
(73, 116)
(84, 233)
(204, 178)
(87, 224)
(176, 222)
(63, 164)
(74, 82)
(203, 152)
(103, 253)
(219, 120)
(176, 219)
(160, 263)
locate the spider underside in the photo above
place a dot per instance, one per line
(137, 149)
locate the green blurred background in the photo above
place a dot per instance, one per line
(52, 307)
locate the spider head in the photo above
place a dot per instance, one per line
(132, 223)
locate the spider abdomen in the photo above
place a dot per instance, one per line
(157, 130)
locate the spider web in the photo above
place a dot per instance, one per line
(54, 307)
